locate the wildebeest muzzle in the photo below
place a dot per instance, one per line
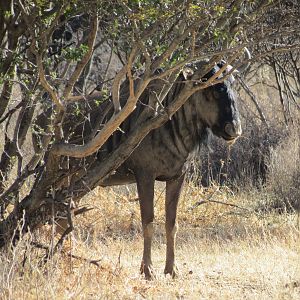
(232, 130)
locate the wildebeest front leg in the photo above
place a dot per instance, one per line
(173, 189)
(145, 185)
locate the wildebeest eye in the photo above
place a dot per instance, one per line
(227, 109)
(216, 94)
(223, 89)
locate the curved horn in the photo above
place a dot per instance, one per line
(248, 56)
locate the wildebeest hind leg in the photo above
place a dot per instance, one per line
(145, 185)
(173, 189)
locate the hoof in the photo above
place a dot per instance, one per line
(173, 271)
(148, 271)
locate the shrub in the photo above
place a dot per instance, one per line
(283, 179)
(243, 164)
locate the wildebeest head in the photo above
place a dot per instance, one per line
(217, 105)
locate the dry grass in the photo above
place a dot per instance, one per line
(223, 252)
(284, 172)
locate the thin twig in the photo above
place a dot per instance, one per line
(10, 112)
(217, 202)
(45, 247)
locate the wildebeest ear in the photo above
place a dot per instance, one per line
(229, 68)
(187, 73)
(234, 72)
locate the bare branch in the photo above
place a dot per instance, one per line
(46, 85)
(80, 66)
(112, 125)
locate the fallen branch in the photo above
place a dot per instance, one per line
(45, 247)
(217, 202)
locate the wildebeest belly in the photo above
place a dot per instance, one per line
(158, 161)
(158, 158)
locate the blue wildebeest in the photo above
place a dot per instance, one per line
(164, 154)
